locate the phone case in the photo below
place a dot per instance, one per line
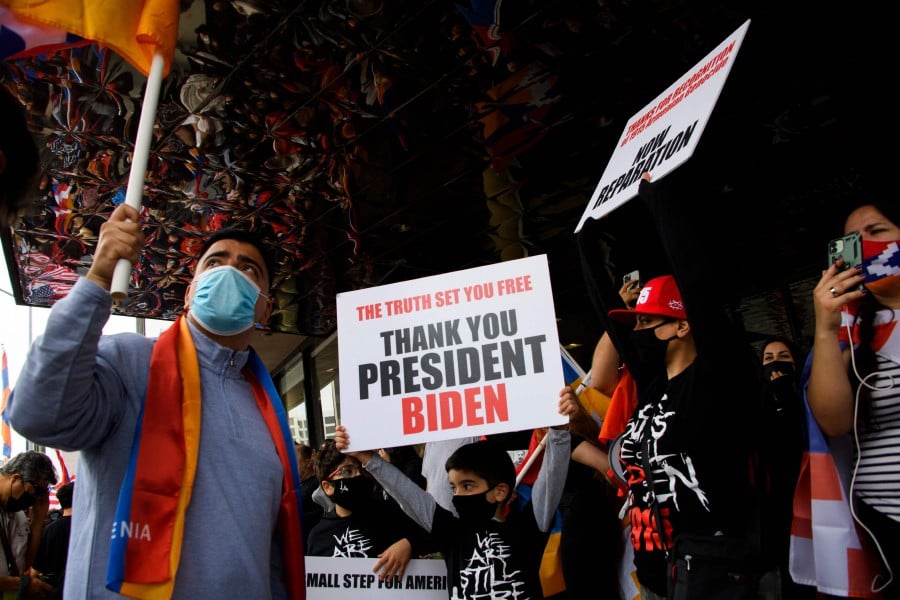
(848, 247)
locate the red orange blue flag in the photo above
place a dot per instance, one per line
(19, 37)
(135, 30)
(5, 431)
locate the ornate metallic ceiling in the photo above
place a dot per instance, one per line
(377, 141)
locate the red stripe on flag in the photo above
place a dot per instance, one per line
(826, 485)
(62, 467)
(801, 524)
(136, 29)
(861, 570)
(5, 431)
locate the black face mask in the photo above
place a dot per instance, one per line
(786, 368)
(652, 350)
(354, 493)
(23, 502)
(474, 508)
(781, 392)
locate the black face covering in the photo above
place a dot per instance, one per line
(782, 393)
(652, 349)
(474, 508)
(783, 366)
(354, 493)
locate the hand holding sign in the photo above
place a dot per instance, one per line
(664, 134)
(392, 562)
(461, 354)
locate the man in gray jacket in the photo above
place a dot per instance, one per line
(80, 390)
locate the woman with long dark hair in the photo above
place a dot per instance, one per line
(855, 387)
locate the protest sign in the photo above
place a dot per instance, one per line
(461, 354)
(353, 578)
(664, 134)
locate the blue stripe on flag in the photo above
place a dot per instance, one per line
(5, 430)
(571, 369)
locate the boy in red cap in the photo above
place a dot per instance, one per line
(685, 451)
(660, 311)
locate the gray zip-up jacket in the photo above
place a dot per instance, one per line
(82, 391)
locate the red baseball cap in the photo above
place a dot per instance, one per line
(659, 297)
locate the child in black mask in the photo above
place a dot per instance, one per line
(494, 548)
(365, 523)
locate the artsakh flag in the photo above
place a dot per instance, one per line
(134, 29)
(828, 550)
(881, 261)
(5, 431)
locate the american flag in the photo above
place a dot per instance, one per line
(64, 478)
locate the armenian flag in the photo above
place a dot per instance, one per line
(5, 431)
(136, 30)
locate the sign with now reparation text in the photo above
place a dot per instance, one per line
(664, 134)
(466, 353)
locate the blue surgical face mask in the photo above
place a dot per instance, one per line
(224, 301)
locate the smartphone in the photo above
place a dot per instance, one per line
(849, 248)
(635, 277)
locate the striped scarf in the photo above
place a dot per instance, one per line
(149, 525)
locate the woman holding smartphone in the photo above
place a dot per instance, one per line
(855, 388)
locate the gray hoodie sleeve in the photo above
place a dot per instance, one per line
(551, 479)
(415, 502)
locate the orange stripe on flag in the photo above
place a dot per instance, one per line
(134, 29)
(5, 430)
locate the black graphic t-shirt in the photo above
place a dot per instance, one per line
(699, 469)
(346, 537)
(367, 533)
(493, 560)
(702, 424)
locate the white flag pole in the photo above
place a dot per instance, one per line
(585, 381)
(528, 464)
(134, 194)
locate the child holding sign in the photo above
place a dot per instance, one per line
(495, 545)
(363, 524)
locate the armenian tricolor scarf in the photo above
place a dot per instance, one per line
(149, 525)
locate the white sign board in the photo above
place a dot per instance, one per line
(664, 134)
(353, 578)
(466, 353)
